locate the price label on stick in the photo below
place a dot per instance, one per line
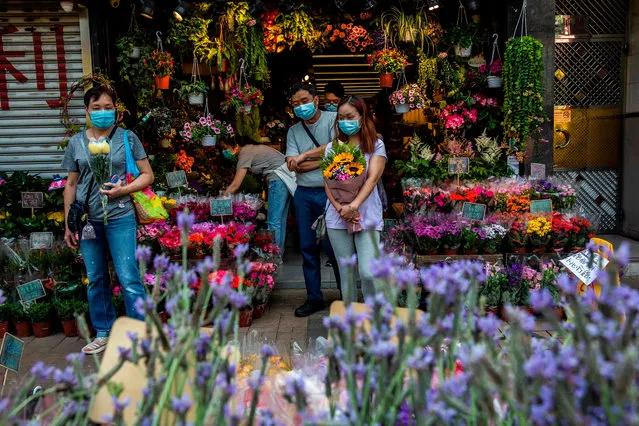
(176, 179)
(221, 207)
(458, 165)
(585, 265)
(537, 171)
(31, 291)
(32, 200)
(541, 206)
(41, 240)
(11, 352)
(474, 211)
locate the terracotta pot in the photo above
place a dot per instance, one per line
(258, 310)
(470, 251)
(520, 250)
(431, 253)
(164, 317)
(494, 311)
(539, 250)
(449, 252)
(70, 328)
(224, 66)
(41, 329)
(386, 80)
(246, 318)
(4, 328)
(557, 249)
(23, 329)
(576, 249)
(162, 83)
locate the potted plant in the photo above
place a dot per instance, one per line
(462, 38)
(130, 44)
(581, 233)
(161, 63)
(561, 231)
(451, 238)
(428, 237)
(516, 292)
(387, 62)
(5, 316)
(242, 99)
(492, 289)
(398, 26)
(539, 231)
(409, 97)
(20, 319)
(262, 280)
(517, 237)
(493, 73)
(494, 234)
(161, 125)
(66, 310)
(472, 240)
(40, 314)
(207, 130)
(194, 91)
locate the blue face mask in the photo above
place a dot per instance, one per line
(228, 154)
(306, 111)
(349, 127)
(331, 107)
(103, 119)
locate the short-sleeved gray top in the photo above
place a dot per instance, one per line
(75, 160)
(260, 160)
(298, 142)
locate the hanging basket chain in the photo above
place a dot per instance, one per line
(462, 18)
(158, 45)
(133, 25)
(195, 72)
(523, 20)
(242, 73)
(495, 49)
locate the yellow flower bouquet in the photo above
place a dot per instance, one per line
(100, 166)
(343, 169)
(539, 231)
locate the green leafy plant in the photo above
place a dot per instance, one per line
(5, 312)
(462, 35)
(40, 312)
(186, 88)
(17, 312)
(427, 70)
(492, 288)
(297, 26)
(66, 309)
(523, 76)
(248, 125)
(161, 122)
(399, 26)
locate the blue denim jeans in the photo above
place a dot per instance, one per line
(310, 203)
(120, 238)
(279, 201)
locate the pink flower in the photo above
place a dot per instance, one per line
(202, 121)
(216, 131)
(187, 134)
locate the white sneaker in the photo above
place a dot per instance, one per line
(98, 345)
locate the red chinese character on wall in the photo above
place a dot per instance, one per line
(7, 67)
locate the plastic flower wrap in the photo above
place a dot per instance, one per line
(101, 168)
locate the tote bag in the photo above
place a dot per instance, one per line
(148, 205)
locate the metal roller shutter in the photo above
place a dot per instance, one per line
(43, 50)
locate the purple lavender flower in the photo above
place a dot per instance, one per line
(566, 284)
(489, 324)
(541, 300)
(124, 353)
(240, 250)
(256, 380)
(202, 346)
(266, 418)
(622, 255)
(2, 298)
(181, 405)
(76, 357)
(335, 323)
(66, 377)
(143, 254)
(185, 220)
(525, 320)
(406, 278)
(171, 304)
(267, 351)
(383, 349)
(120, 405)
(4, 403)
(133, 337)
(349, 262)
(382, 268)
(421, 359)
(144, 305)
(203, 372)
(542, 413)
(145, 346)
(41, 371)
(238, 300)
(161, 262)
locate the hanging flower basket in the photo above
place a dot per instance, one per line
(162, 83)
(241, 99)
(134, 53)
(209, 140)
(463, 52)
(494, 82)
(407, 98)
(196, 98)
(402, 108)
(386, 80)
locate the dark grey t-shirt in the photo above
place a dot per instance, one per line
(260, 160)
(75, 160)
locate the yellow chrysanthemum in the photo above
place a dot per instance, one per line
(3, 215)
(56, 217)
(343, 158)
(355, 169)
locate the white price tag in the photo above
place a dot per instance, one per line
(581, 265)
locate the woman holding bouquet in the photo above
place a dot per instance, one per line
(353, 165)
(96, 162)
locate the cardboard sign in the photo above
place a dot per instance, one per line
(389, 224)
(41, 240)
(32, 200)
(513, 164)
(580, 264)
(541, 206)
(458, 165)
(11, 352)
(474, 211)
(176, 179)
(31, 291)
(537, 171)
(221, 207)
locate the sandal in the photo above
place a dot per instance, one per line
(98, 345)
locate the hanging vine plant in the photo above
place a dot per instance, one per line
(297, 26)
(523, 75)
(249, 38)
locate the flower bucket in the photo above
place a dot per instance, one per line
(258, 310)
(165, 143)
(4, 328)
(135, 53)
(539, 250)
(162, 83)
(462, 52)
(23, 329)
(209, 140)
(386, 80)
(520, 250)
(494, 82)
(557, 249)
(196, 98)
(70, 328)
(402, 108)
(41, 329)
(248, 108)
(246, 318)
